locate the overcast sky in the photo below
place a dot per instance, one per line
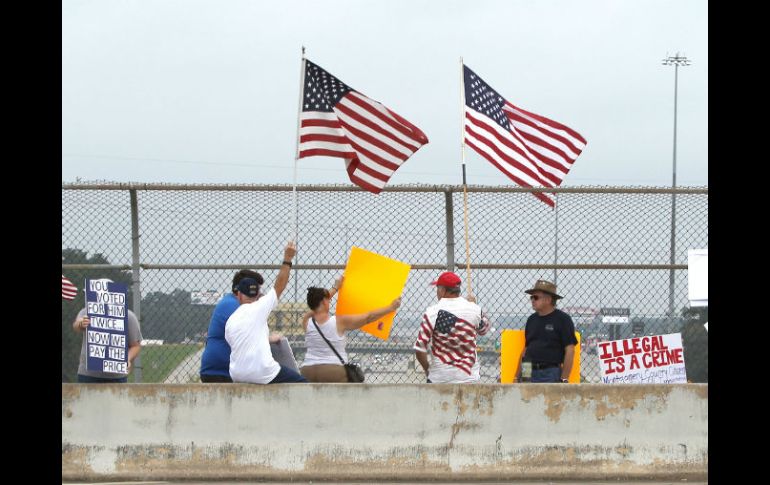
(204, 91)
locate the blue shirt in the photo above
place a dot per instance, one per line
(216, 355)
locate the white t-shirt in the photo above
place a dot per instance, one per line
(247, 334)
(451, 345)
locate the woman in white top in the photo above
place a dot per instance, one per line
(321, 364)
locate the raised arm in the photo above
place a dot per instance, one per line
(354, 322)
(336, 286)
(306, 319)
(283, 276)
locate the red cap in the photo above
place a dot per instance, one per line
(447, 279)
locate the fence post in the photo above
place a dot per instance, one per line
(450, 230)
(135, 284)
(556, 240)
(672, 256)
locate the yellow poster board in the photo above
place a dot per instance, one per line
(371, 281)
(511, 347)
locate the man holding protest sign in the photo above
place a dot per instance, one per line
(549, 336)
(134, 347)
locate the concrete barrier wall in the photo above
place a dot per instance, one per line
(384, 432)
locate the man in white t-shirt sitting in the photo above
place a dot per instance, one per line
(448, 331)
(249, 337)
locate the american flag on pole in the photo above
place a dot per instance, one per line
(68, 290)
(530, 149)
(338, 121)
(452, 340)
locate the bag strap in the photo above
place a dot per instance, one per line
(327, 341)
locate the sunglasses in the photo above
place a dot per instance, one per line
(534, 297)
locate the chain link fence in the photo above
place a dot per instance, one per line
(177, 247)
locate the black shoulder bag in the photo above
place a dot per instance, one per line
(355, 374)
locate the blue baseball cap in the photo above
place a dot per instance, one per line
(249, 287)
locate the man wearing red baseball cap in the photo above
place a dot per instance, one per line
(448, 332)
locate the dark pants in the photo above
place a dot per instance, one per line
(215, 378)
(550, 374)
(287, 375)
(100, 380)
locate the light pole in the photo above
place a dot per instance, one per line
(675, 61)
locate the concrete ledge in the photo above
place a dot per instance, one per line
(384, 432)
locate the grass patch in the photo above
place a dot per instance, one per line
(159, 360)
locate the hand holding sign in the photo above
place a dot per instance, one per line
(372, 281)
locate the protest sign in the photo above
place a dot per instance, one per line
(511, 348)
(371, 281)
(653, 359)
(107, 332)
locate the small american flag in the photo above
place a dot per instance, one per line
(338, 121)
(68, 290)
(445, 321)
(530, 149)
(454, 339)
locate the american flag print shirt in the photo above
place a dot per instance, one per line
(448, 331)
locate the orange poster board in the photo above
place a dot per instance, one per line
(511, 347)
(371, 281)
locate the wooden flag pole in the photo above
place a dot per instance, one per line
(465, 186)
(296, 151)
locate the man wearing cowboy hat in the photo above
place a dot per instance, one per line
(549, 337)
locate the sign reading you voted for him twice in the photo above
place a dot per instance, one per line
(106, 335)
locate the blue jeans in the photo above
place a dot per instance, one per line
(287, 375)
(551, 374)
(100, 380)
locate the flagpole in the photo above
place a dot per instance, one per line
(296, 158)
(465, 185)
(296, 151)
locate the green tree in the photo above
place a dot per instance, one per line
(173, 318)
(71, 342)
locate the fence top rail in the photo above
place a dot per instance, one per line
(459, 266)
(394, 188)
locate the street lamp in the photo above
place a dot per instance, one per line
(675, 61)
